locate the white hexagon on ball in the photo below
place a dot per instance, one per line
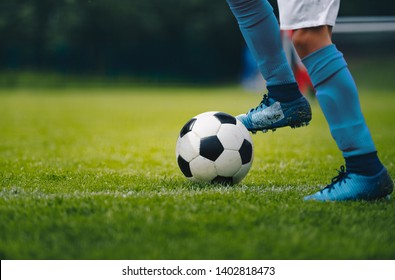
(228, 163)
(203, 169)
(188, 146)
(206, 126)
(230, 136)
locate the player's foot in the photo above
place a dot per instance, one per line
(352, 186)
(271, 114)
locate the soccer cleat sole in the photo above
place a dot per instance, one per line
(275, 128)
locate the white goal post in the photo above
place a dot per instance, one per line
(366, 24)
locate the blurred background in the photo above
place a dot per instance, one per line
(171, 41)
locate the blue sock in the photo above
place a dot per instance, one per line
(284, 93)
(368, 164)
(261, 33)
(337, 95)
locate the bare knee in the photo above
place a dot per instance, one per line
(308, 40)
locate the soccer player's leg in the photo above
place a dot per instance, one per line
(284, 105)
(364, 176)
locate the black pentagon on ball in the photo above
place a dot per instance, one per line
(222, 180)
(225, 118)
(184, 166)
(187, 127)
(210, 147)
(245, 152)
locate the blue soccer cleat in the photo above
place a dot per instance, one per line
(352, 186)
(272, 114)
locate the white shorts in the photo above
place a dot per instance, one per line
(295, 14)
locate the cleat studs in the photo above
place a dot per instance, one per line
(293, 126)
(299, 125)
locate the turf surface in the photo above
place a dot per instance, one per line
(89, 173)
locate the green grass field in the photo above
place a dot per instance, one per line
(89, 173)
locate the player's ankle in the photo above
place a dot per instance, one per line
(285, 92)
(367, 164)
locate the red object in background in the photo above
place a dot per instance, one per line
(300, 71)
(303, 79)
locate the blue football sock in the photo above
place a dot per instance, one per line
(368, 164)
(337, 95)
(261, 32)
(284, 93)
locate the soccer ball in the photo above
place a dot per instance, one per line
(214, 147)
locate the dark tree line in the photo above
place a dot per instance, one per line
(187, 39)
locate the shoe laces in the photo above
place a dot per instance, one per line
(340, 178)
(265, 102)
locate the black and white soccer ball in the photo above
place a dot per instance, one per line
(214, 147)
